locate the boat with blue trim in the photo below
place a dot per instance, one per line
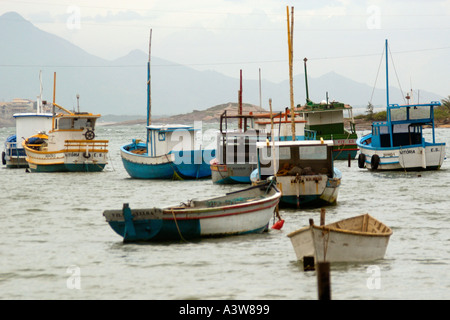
(399, 143)
(236, 213)
(163, 155)
(27, 124)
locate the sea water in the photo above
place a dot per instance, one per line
(56, 244)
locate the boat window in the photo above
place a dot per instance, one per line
(313, 152)
(283, 153)
(419, 112)
(398, 114)
(65, 123)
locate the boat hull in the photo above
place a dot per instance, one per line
(235, 215)
(68, 160)
(231, 174)
(177, 165)
(309, 191)
(429, 156)
(341, 245)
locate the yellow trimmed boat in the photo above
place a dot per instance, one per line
(69, 146)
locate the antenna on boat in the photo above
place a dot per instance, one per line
(240, 101)
(306, 80)
(290, 30)
(39, 102)
(78, 102)
(149, 96)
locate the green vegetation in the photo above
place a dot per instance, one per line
(441, 113)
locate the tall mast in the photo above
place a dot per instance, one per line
(387, 74)
(240, 101)
(149, 91)
(290, 30)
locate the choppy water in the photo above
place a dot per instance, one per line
(55, 243)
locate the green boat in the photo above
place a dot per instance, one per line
(325, 120)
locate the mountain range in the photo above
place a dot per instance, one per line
(119, 86)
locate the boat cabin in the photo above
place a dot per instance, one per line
(308, 157)
(403, 126)
(162, 139)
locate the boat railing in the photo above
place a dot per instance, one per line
(310, 134)
(81, 145)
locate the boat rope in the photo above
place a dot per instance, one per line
(178, 228)
(326, 238)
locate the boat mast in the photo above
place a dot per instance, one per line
(149, 96)
(387, 77)
(240, 102)
(290, 30)
(54, 100)
(39, 103)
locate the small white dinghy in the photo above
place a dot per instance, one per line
(357, 239)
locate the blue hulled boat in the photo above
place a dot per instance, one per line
(169, 151)
(399, 142)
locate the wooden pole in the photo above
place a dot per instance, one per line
(273, 141)
(290, 27)
(323, 280)
(322, 216)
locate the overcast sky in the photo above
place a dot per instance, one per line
(345, 36)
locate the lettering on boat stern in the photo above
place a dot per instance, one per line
(407, 151)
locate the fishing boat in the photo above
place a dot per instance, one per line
(236, 149)
(304, 171)
(240, 212)
(399, 143)
(162, 155)
(326, 120)
(70, 145)
(357, 239)
(27, 124)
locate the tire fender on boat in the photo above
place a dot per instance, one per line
(3, 157)
(86, 154)
(375, 161)
(89, 134)
(361, 160)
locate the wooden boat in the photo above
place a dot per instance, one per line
(69, 146)
(240, 212)
(304, 171)
(162, 155)
(325, 120)
(27, 124)
(357, 239)
(399, 143)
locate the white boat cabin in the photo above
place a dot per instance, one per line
(295, 157)
(162, 139)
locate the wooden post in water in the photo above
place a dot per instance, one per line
(323, 280)
(322, 216)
